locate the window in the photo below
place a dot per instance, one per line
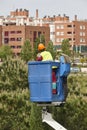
(82, 33)
(52, 27)
(19, 39)
(12, 39)
(82, 40)
(39, 33)
(18, 54)
(58, 33)
(52, 33)
(69, 32)
(60, 27)
(19, 31)
(62, 33)
(18, 46)
(69, 39)
(13, 47)
(69, 26)
(82, 27)
(6, 40)
(35, 35)
(6, 33)
(59, 39)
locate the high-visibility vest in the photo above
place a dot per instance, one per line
(46, 56)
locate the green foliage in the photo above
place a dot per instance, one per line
(35, 118)
(42, 39)
(13, 74)
(65, 47)
(16, 111)
(26, 51)
(76, 102)
(73, 115)
(5, 51)
(50, 48)
(77, 85)
(82, 60)
(14, 95)
(35, 50)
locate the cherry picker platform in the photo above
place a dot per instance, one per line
(47, 92)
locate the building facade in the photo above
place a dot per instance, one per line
(14, 36)
(80, 35)
(61, 27)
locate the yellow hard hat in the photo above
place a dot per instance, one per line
(41, 47)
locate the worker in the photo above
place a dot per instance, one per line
(44, 55)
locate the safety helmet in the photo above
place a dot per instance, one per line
(41, 47)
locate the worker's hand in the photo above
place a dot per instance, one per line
(39, 57)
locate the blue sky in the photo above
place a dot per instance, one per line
(46, 7)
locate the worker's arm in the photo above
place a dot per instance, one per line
(39, 57)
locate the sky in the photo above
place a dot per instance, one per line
(46, 7)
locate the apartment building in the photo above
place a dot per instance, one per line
(33, 32)
(80, 35)
(63, 30)
(61, 27)
(20, 17)
(15, 36)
